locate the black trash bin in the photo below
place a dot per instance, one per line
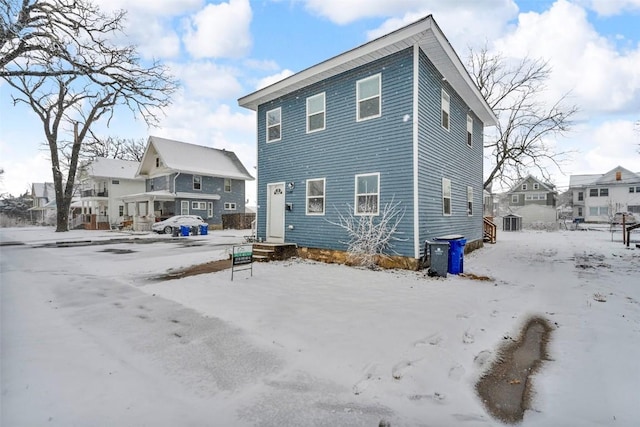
(438, 256)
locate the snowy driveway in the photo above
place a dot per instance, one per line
(87, 339)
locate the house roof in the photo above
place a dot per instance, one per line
(113, 168)
(179, 156)
(608, 178)
(425, 32)
(43, 189)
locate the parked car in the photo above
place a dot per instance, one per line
(168, 225)
(630, 218)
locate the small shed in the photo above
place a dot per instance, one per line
(512, 222)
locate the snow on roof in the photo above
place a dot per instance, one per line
(583, 180)
(43, 189)
(195, 159)
(113, 168)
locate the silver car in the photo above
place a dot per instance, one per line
(168, 225)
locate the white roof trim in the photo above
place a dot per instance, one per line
(424, 32)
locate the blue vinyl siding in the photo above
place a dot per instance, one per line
(344, 149)
(445, 154)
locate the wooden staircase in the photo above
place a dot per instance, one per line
(490, 230)
(265, 252)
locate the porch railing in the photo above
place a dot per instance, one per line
(489, 230)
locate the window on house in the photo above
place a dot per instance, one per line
(200, 206)
(367, 195)
(631, 189)
(535, 196)
(580, 196)
(634, 209)
(514, 198)
(469, 200)
(315, 112)
(524, 187)
(227, 185)
(536, 186)
(604, 192)
(229, 206)
(274, 125)
(197, 182)
(158, 162)
(121, 210)
(315, 196)
(580, 211)
(469, 131)
(184, 207)
(593, 211)
(593, 192)
(446, 196)
(115, 181)
(210, 210)
(368, 94)
(604, 210)
(445, 102)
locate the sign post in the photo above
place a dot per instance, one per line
(242, 259)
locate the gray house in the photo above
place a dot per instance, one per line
(532, 191)
(186, 179)
(397, 119)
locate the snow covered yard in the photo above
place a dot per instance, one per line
(88, 339)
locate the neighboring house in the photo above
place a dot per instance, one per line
(186, 179)
(44, 208)
(532, 191)
(397, 120)
(101, 185)
(597, 197)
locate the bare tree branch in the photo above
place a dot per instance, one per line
(525, 122)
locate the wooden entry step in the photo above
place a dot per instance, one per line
(265, 252)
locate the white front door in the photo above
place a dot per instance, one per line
(275, 212)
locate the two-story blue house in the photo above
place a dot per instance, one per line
(186, 179)
(396, 119)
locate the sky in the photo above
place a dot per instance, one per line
(221, 51)
(88, 339)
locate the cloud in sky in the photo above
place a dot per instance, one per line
(220, 31)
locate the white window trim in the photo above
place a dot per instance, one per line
(469, 131)
(225, 185)
(323, 112)
(379, 96)
(445, 101)
(266, 122)
(324, 205)
(229, 206)
(194, 182)
(524, 187)
(536, 186)
(184, 207)
(445, 196)
(469, 201)
(356, 194)
(515, 198)
(198, 206)
(209, 209)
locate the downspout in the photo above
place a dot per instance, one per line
(175, 191)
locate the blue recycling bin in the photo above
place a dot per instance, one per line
(184, 230)
(456, 253)
(204, 229)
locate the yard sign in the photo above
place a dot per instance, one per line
(242, 256)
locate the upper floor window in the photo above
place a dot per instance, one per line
(514, 198)
(274, 125)
(158, 162)
(580, 196)
(536, 186)
(604, 192)
(315, 196)
(227, 185)
(115, 181)
(593, 192)
(197, 182)
(631, 189)
(524, 186)
(367, 197)
(446, 101)
(469, 131)
(315, 112)
(469, 200)
(446, 196)
(368, 94)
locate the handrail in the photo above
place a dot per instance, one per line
(490, 230)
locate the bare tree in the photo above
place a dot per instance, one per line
(524, 119)
(111, 148)
(59, 58)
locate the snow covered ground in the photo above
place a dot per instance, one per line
(88, 338)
